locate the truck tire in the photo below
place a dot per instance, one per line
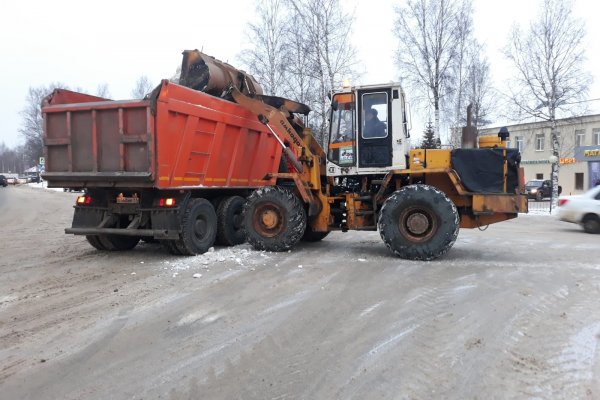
(313, 236)
(112, 242)
(94, 240)
(591, 224)
(418, 222)
(229, 221)
(171, 247)
(274, 219)
(120, 243)
(198, 228)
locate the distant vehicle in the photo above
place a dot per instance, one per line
(11, 180)
(583, 209)
(3, 181)
(539, 189)
(33, 179)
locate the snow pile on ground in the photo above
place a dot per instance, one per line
(243, 256)
(44, 185)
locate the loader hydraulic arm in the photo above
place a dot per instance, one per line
(283, 131)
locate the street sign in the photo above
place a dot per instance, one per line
(42, 160)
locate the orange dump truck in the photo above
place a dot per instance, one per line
(143, 161)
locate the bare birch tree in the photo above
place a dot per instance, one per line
(472, 84)
(102, 91)
(267, 59)
(32, 124)
(142, 87)
(302, 50)
(327, 27)
(481, 92)
(431, 38)
(550, 79)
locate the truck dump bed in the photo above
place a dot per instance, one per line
(177, 138)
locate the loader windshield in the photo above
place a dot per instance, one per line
(342, 130)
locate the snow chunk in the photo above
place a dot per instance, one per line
(197, 276)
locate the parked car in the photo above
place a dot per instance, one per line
(34, 178)
(539, 189)
(3, 181)
(11, 180)
(583, 209)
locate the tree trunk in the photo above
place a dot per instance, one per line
(555, 164)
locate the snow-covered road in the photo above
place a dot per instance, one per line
(510, 312)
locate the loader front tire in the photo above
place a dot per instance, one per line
(274, 219)
(418, 222)
(229, 221)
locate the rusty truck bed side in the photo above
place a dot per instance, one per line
(178, 138)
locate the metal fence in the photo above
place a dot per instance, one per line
(540, 206)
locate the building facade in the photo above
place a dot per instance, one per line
(579, 151)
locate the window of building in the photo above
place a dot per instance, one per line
(579, 137)
(539, 176)
(578, 180)
(539, 142)
(519, 143)
(596, 136)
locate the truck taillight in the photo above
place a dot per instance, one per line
(167, 202)
(84, 200)
(562, 202)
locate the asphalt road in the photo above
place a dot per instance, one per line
(510, 312)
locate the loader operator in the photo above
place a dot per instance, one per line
(374, 128)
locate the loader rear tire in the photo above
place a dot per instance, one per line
(274, 219)
(418, 222)
(313, 236)
(229, 221)
(198, 226)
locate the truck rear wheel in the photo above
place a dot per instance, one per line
(113, 242)
(199, 228)
(418, 222)
(229, 221)
(94, 240)
(171, 247)
(120, 243)
(274, 219)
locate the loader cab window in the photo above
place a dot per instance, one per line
(375, 115)
(342, 136)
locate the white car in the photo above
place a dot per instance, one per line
(583, 209)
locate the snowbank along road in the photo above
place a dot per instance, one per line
(511, 312)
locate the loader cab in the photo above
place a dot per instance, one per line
(368, 131)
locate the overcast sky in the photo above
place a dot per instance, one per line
(86, 44)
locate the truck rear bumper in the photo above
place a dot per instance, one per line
(155, 233)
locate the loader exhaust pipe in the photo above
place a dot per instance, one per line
(469, 132)
(207, 74)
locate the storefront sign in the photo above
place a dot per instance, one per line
(587, 153)
(568, 160)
